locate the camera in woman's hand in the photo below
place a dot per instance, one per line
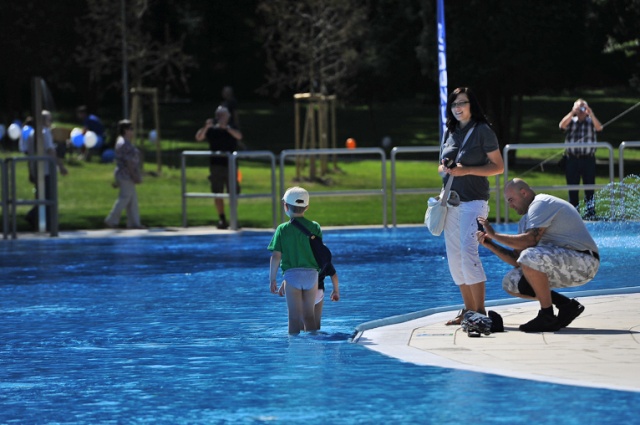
(449, 162)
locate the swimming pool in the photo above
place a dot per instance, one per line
(183, 330)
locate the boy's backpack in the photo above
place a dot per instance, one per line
(321, 253)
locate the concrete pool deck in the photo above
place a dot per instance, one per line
(600, 349)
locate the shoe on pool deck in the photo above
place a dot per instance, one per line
(542, 323)
(568, 312)
(475, 323)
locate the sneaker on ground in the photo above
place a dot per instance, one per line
(568, 312)
(476, 323)
(542, 323)
(222, 224)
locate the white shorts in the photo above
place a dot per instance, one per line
(303, 279)
(462, 245)
(319, 295)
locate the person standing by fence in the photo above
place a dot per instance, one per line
(49, 149)
(222, 137)
(580, 126)
(128, 174)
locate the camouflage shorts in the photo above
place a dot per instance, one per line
(564, 267)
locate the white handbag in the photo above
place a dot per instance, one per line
(437, 207)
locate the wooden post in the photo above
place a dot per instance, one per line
(333, 130)
(317, 133)
(297, 134)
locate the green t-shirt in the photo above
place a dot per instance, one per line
(294, 245)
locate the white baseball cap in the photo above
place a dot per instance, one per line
(296, 196)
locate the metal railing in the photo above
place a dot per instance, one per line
(409, 191)
(5, 203)
(621, 149)
(12, 200)
(233, 195)
(351, 152)
(416, 191)
(508, 148)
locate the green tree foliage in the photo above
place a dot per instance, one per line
(311, 45)
(388, 67)
(620, 19)
(36, 40)
(369, 50)
(508, 49)
(153, 56)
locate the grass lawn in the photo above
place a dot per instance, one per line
(86, 195)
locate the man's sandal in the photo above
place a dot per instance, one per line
(458, 319)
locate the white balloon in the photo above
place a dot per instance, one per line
(75, 132)
(153, 136)
(90, 139)
(15, 131)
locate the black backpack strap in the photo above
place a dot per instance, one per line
(302, 228)
(321, 253)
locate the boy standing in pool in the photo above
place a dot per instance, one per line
(335, 292)
(291, 250)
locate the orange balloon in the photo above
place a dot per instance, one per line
(351, 143)
(239, 176)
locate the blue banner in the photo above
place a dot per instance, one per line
(442, 67)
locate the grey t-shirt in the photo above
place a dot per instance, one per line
(564, 226)
(474, 152)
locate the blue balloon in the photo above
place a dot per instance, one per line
(100, 142)
(108, 155)
(78, 140)
(2, 131)
(26, 132)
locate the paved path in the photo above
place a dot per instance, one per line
(601, 348)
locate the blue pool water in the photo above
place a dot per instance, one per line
(184, 330)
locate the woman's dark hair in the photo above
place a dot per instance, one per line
(476, 110)
(124, 125)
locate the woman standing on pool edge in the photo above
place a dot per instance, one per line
(470, 152)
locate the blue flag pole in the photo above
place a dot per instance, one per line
(442, 67)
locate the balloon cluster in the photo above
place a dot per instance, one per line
(15, 132)
(89, 139)
(78, 138)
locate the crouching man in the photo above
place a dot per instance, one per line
(553, 249)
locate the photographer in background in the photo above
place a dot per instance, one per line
(222, 137)
(580, 126)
